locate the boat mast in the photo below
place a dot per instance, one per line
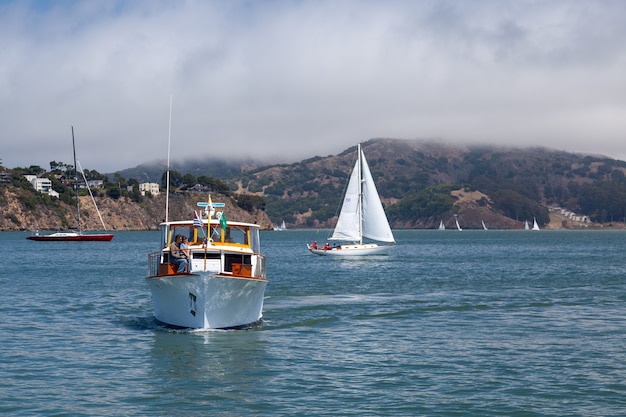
(360, 191)
(76, 181)
(167, 175)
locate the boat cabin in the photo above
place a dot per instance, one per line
(235, 234)
(232, 250)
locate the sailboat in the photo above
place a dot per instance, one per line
(535, 225)
(526, 226)
(77, 235)
(484, 226)
(362, 216)
(282, 226)
(441, 225)
(456, 220)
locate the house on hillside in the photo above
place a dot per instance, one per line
(95, 183)
(43, 185)
(198, 188)
(5, 178)
(151, 187)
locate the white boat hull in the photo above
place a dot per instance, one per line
(353, 250)
(207, 300)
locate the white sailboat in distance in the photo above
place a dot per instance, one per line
(456, 221)
(362, 216)
(535, 225)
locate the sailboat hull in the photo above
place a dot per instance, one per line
(72, 237)
(76, 236)
(353, 250)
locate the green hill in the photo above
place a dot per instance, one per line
(421, 183)
(416, 180)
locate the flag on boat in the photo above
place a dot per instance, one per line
(223, 222)
(197, 222)
(210, 203)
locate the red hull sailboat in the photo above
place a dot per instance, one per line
(78, 236)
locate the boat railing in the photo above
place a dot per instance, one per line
(259, 270)
(154, 263)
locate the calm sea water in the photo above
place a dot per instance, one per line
(495, 323)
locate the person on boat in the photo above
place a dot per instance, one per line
(326, 246)
(314, 245)
(177, 256)
(184, 248)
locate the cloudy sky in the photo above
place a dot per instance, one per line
(289, 80)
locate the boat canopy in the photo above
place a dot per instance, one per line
(235, 234)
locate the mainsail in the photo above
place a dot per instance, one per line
(375, 223)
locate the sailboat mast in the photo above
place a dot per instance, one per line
(360, 192)
(76, 181)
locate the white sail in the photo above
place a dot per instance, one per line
(375, 223)
(348, 225)
(362, 213)
(441, 225)
(526, 227)
(535, 225)
(484, 226)
(458, 226)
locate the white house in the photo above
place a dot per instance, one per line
(95, 183)
(151, 187)
(43, 185)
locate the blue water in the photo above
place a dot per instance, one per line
(472, 323)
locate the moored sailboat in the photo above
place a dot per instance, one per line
(78, 235)
(362, 216)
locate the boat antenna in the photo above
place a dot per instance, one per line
(167, 175)
(76, 181)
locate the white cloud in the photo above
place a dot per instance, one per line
(292, 80)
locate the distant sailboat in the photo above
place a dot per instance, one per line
(362, 215)
(456, 220)
(281, 227)
(77, 236)
(526, 226)
(441, 225)
(535, 225)
(484, 227)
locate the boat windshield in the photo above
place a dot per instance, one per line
(236, 234)
(184, 230)
(255, 240)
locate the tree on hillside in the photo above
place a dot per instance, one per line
(176, 179)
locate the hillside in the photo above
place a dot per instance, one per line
(419, 183)
(21, 211)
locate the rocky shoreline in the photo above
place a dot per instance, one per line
(117, 214)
